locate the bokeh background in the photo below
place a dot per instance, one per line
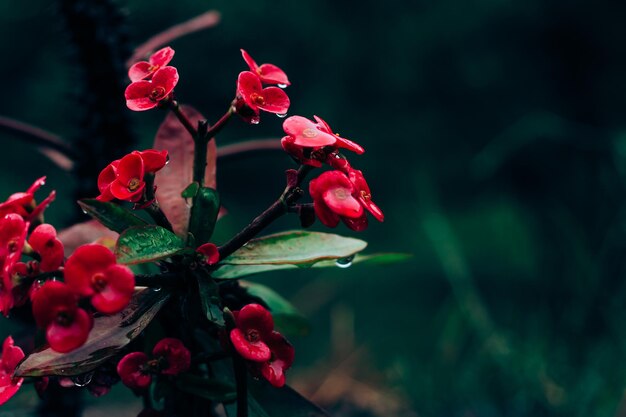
(496, 145)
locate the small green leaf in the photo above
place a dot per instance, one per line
(113, 216)
(210, 299)
(147, 243)
(238, 271)
(295, 248)
(210, 389)
(107, 338)
(286, 317)
(191, 190)
(206, 205)
(266, 400)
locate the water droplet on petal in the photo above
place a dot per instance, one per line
(282, 85)
(344, 262)
(255, 120)
(281, 115)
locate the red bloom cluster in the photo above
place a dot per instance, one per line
(11, 356)
(91, 271)
(252, 97)
(254, 338)
(310, 142)
(152, 81)
(24, 203)
(342, 194)
(124, 178)
(170, 357)
(13, 230)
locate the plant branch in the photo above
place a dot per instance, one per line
(175, 107)
(281, 206)
(248, 147)
(203, 21)
(152, 205)
(219, 125)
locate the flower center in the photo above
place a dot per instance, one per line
(257, 99)
(12, 245)
(341, 193)
(253, 335)
(157, 94)
(98, 282)
(133, 184)
(365, 195)
(309, 132)
(64, 318)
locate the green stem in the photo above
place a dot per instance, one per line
(281, 206)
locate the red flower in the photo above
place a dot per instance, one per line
(254, 325)
(306, 138)
(132, 369)
(174, 354)
(144, 69)
(144, 95)
(55, 308)
(282, 357)
(13, 231)
(255, 97)
(337, 196)
(127, 178)
(107, 177)
(44, 241)
(23, 203)
(129, 184)
(92, 271)
(267, 73)
(11, 356)
(209, 253)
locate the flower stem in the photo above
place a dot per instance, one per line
(281, 206)
(152, 207)
(241, 379)
(219, 125)
(175, 107)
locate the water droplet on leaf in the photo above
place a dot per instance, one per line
(156, 289)
(82, 380)
(344, 262)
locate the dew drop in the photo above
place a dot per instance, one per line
(156, 289)
(85, 211)
(282, 85)
(255, 120)
(281, 115)
(344, 262)
(82, 380)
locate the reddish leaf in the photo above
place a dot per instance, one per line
(178, 173)
(87, 232)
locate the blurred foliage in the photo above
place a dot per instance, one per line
(496, 144)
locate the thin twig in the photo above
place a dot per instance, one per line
(204, 21)
(248, 147)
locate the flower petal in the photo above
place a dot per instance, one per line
(251, 64)
(162, 57)
(119, 285)
(257, 351)
(84, 263)
(276, 100)
(255, 316)
(67, 338)
(129, 370)
(166, 77)
(140, 71)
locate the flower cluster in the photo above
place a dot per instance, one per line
(341, 194)
(169, 357)
(152, 81)
(255, 339)
(124, 178)
(11, 356)
(252, 97)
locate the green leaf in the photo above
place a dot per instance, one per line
(145, 244)
(239, 271)
(191, 190)
(268, 401)
(206, 205)
(210, 299)
(210, 389)
(113, 216)
(107, 338)
(286, 317)
(295, 248)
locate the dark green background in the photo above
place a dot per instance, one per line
(496, 146)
